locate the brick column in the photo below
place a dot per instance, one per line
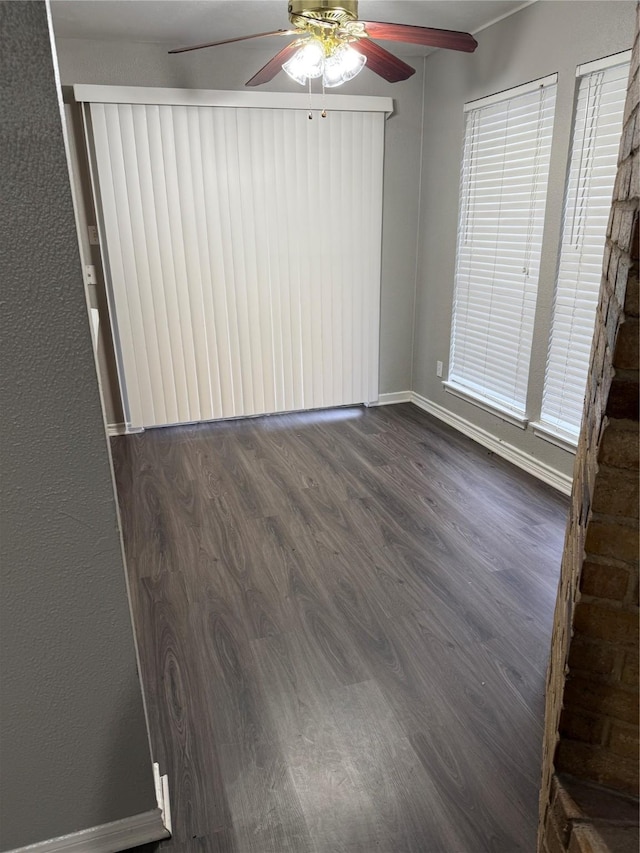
(591, 718)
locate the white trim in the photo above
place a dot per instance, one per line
(503, 16)
(555, 436)
(116, 429)
(418, 250)
(107, 838)
(166, 804)
(219, 98)
(104, 263)
(604, 63)
(493, 408)
(544, 472)
(392, 397)
(507, 94)
(162, 796)
(125, 429)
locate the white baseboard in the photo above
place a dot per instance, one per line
(393, 397)
(107, 838)
(123, 429)
(116, 429)
(544, 472)
(523, 460)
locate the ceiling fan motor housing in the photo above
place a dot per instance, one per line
(324, 11)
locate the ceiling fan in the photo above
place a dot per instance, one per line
(333, 44)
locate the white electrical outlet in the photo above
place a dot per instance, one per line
(439, 368)
(93, 235)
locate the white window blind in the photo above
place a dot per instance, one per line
(592, 172)
(242, 249)
(505, 169)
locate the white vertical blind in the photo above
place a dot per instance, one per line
(243, 253)
(503, 191)
(592, 172)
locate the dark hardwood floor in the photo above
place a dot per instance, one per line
(344, 620)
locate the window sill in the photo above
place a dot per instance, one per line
(555, 436)
(493, 408)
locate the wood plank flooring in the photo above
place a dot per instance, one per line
(344, 620)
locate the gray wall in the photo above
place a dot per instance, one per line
(539, 40)
(74, 745)
(122, 63)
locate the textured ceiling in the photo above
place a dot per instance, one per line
(178, 22)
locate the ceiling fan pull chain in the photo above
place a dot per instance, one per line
(310, 101)
(324, 109)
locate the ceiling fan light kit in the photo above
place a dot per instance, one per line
(334, 63)
(334, 44)
(306, 63)
(342, 65)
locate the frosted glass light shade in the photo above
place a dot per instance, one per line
(343, 64)
(307, 62)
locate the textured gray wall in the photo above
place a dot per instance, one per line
(127, 63)
(541, 39)
(73, 739)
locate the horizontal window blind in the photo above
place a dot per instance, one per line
(503, 192)
(592, 172)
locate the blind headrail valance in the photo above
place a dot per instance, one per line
(219, 98)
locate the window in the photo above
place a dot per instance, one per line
(505, 167)
(592, 171)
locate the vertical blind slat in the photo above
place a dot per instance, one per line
(213, 344)
(129, 266)
(157, 210)
(145, 311)
(142, 118)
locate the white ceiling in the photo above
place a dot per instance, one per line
(182, 22)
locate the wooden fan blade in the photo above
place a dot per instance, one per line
(381, 62)
(269, 71)
(231, 41)
(421, 35)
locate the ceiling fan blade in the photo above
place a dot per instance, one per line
(382, 62)
(269, 71)
(428, 36)
(231, 41)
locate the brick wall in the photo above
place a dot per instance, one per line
(591, 719)
(584, 818)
